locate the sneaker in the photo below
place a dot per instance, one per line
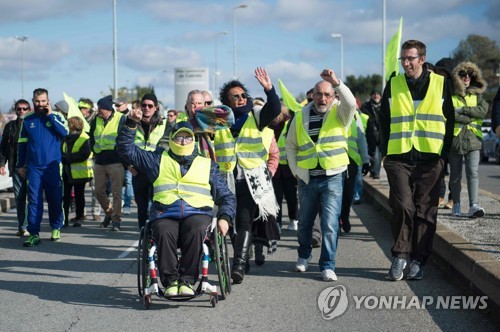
(33, 240)
(456, 210)
(449, 205)
(56, 235)
(172, 288)
(475, 211)
(106, 221)
(22, 233)
(397, 267)
(302, 264)
(416, 272)
(186, 289)
(441, 203)
(293, 225)
(116, 227)
(126, 210)
(328, 275)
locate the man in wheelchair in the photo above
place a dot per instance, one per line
(186, 188)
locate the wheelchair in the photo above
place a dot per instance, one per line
(214, 250)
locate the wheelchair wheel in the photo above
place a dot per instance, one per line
(143, 278)
(140, 266)
(222, 263)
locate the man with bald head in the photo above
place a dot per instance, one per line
(316, 149)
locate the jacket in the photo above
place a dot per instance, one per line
(69, 157)
(371, 109)
(148, 162)
(8, 146)
(106, 157)
(40, 139)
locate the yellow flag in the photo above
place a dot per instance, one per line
(288, 98)
(393, 52)
(75, 111)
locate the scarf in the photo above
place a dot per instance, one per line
(259, 182)
(241, 114)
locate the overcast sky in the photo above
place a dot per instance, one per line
(70, 42)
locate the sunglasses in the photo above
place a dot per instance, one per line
(22, 108)
(187, 139)
(208, 102)
(148, 105)
(242, 96)
(464, 73)
(171, 115)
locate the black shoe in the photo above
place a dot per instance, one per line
(397, 267)
(356, 202)
(238, 273)
(106, 221)
(260, 259)
(416, 272)
(346, 226)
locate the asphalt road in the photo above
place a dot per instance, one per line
(87, 281)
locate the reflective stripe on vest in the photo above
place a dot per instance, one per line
(224, 146)
(423, 127)
(193, 187)
(282, 144)
(475, 126)
(352, 141)
(105, 135)
(330, 149)
(154, 137)
(250, 148)
(84, 169)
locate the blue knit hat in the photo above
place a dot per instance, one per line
(105, 103)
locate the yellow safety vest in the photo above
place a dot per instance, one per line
(330, 149)
(364, 120)
(475, 126)
(224, 146)
(352, 142)
(84, 169)
(282, 144)
(250, 145)
(193, 187)
(423, 127)
(105, 135)
(154, 137)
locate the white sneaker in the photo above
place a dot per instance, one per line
(328, 275)
(126, 210)
(302, 264)
(475, 211)
(293, 225)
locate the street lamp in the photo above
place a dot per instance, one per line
(216, 67)
(338, 35)
(115, 54)
(234, 38)
(22, 40)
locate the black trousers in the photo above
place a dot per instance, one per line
(143, 194)
(79, 198)
(413, 197)
(348, 193)
(286, 187)
(188, 234)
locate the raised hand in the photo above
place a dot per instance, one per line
(263, 78)
(135, 114)
(330, 76)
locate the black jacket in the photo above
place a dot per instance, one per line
(8, 147)
(371, 109)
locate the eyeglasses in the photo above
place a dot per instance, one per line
(119, 105)
(148, 105)
(171, 115)
(408, 58)
(208, 102)
(179, 139)
(464, 73)
(242, 96)
(22, 108)
(321, 95)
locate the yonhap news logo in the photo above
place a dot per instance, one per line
(334, 301)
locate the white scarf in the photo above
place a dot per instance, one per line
(259, 182)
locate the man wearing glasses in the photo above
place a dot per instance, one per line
(8, 153)
(416, 132)
(316, 148)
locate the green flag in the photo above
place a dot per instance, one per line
(75, 111)
(288, 98)
(393, 52)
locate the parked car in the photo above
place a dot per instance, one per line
(491, 144)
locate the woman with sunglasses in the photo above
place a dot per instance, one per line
(470, 110)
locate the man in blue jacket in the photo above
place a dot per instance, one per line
(39, 160)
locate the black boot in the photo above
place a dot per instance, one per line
(259, 254)
(242, 243)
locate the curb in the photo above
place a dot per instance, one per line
(479, 271)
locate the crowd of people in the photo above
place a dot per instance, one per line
(238, 159)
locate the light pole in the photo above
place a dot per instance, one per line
(115, 54)
(383, 44)
(216, 67)
(338, 35)
(22, 40)
(234, 38)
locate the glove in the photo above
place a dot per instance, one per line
(366, 169)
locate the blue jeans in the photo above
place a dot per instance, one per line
(20, 191)
(471, 172)
(327, 191)
(128, 189)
